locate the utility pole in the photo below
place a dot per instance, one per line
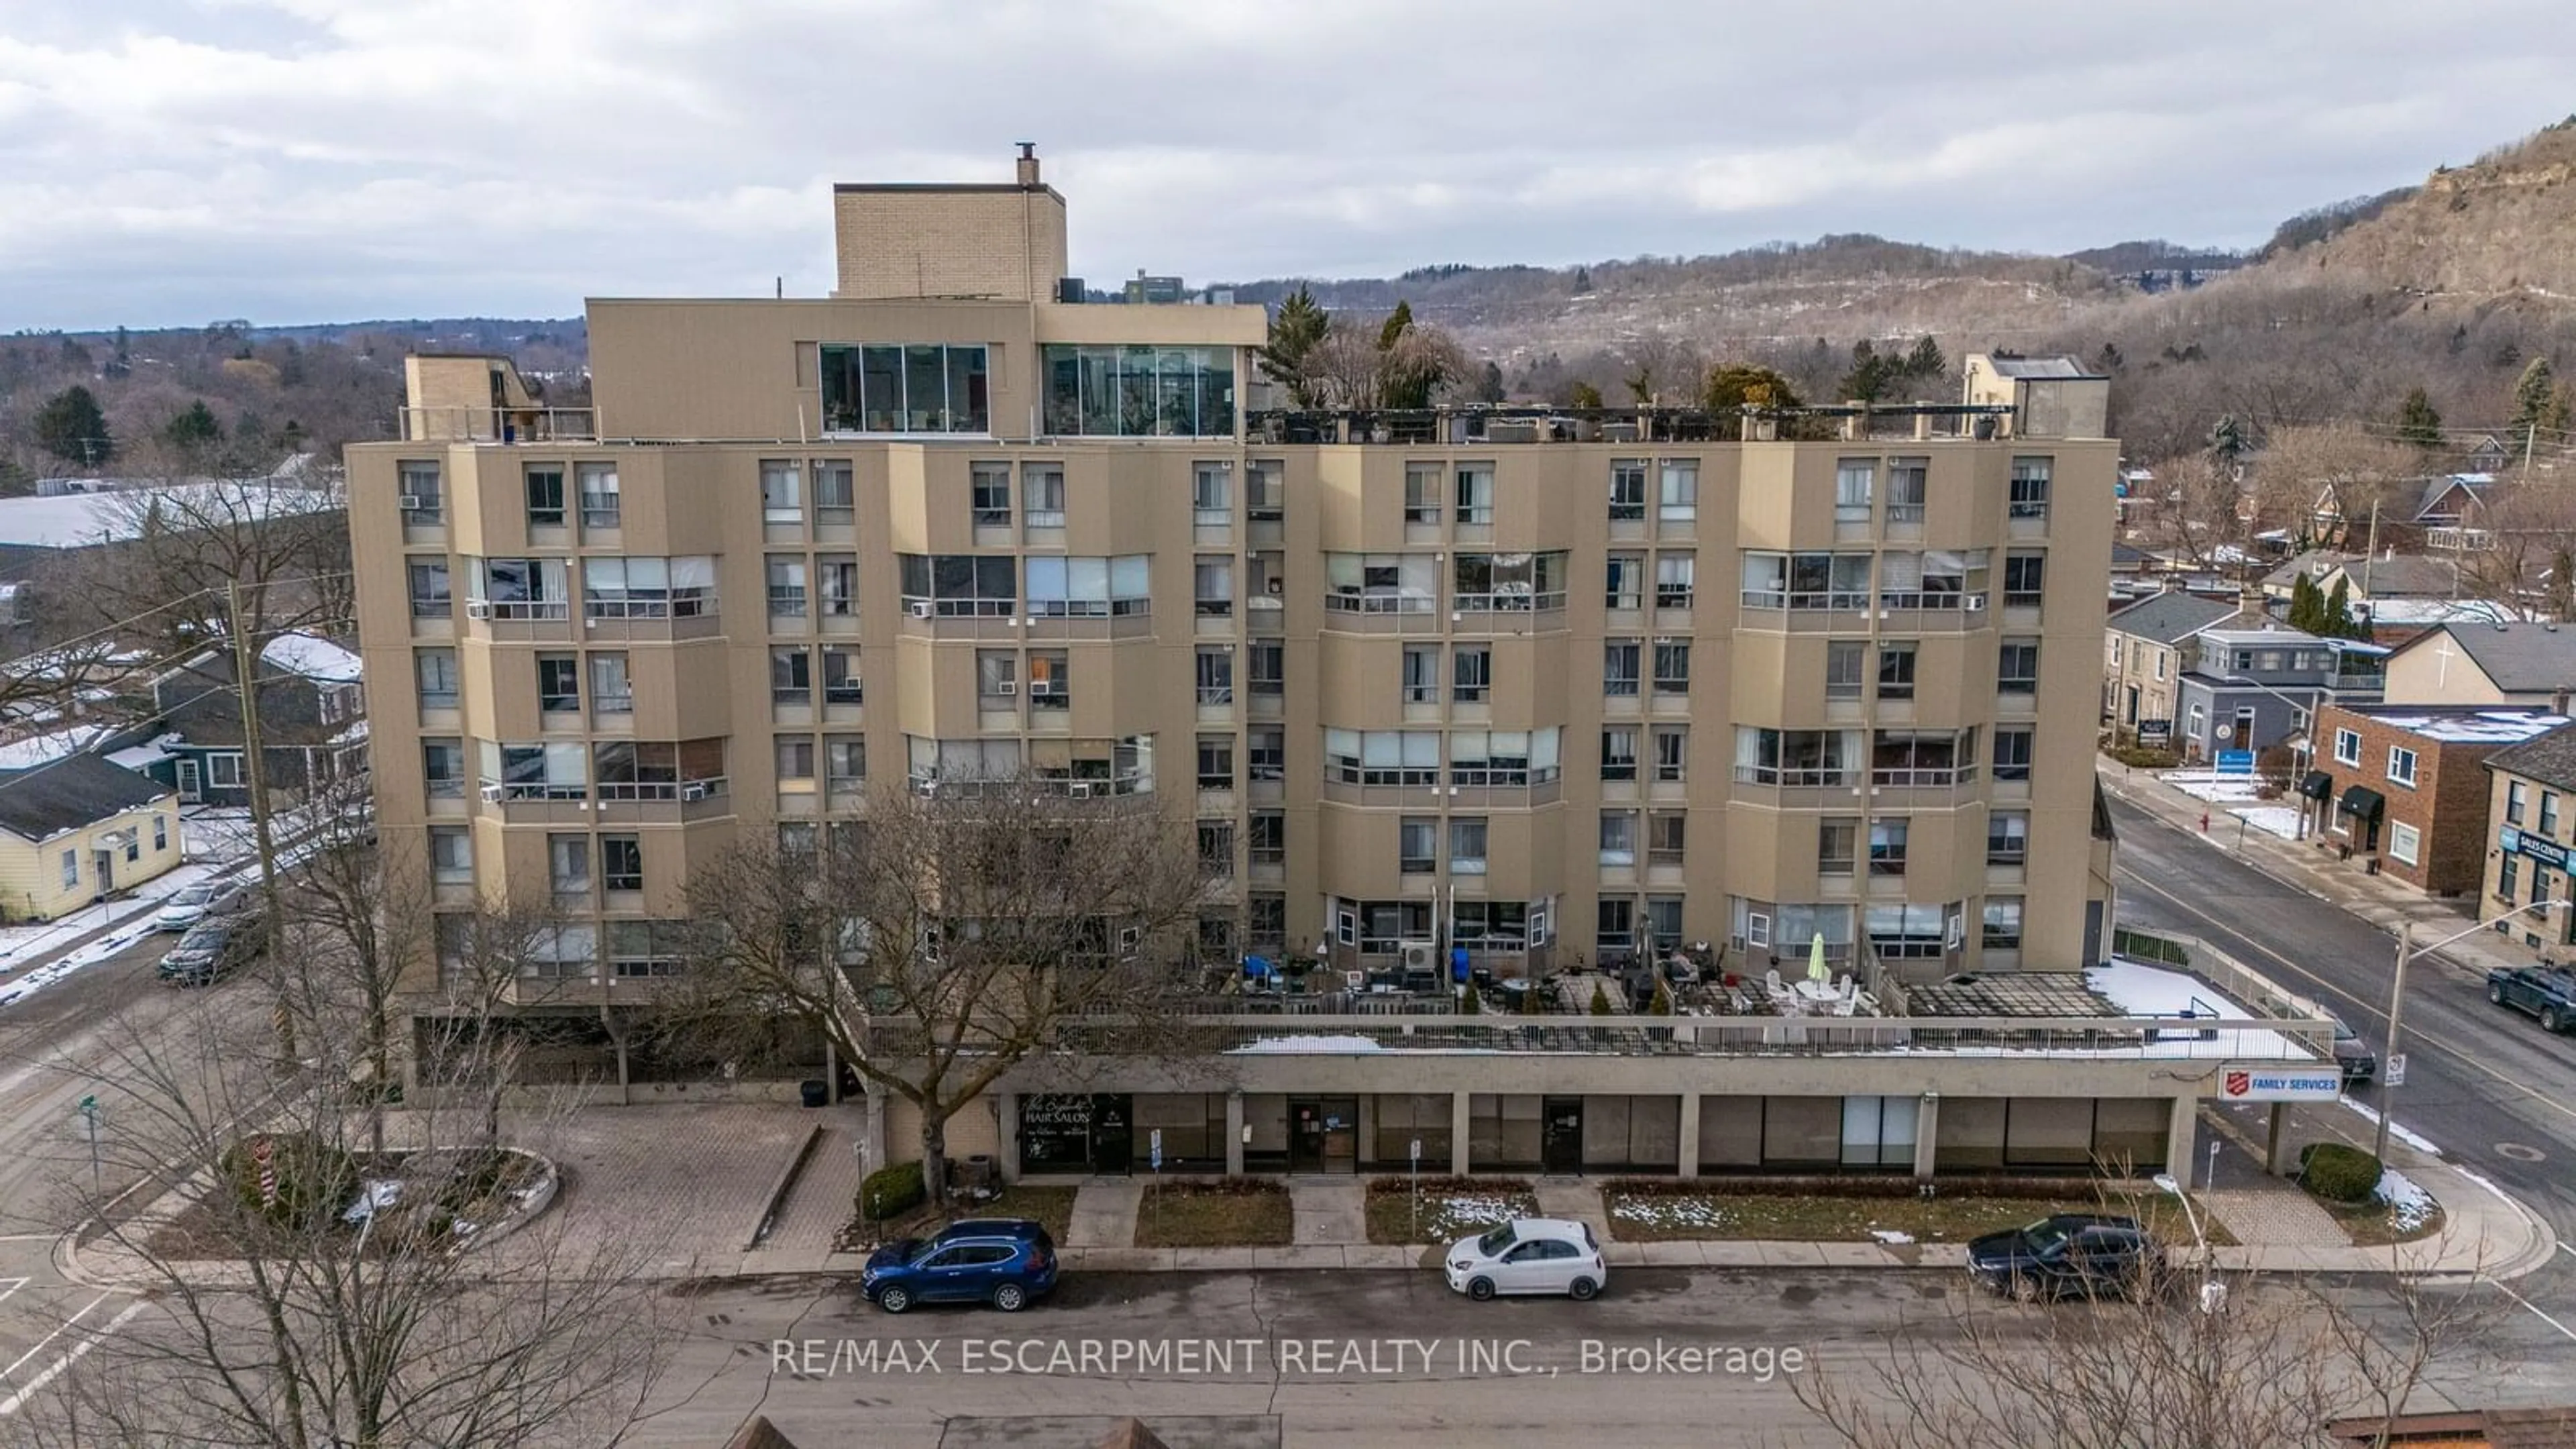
(255, 773)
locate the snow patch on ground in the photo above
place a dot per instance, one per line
(2409, 1205)
(2398, 1130)
(1271, 1044)
(1668, 1212)
(1891, 1235)
(2143, 990)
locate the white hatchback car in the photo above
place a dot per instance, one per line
(1528, 1255)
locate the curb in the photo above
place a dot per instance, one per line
(782, 1185)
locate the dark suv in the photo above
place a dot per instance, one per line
(2090, 1255)
(210, 951)
(1007, 1262)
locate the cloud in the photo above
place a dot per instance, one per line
(173, 161)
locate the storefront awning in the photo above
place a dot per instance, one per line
(2317, 786)
(2363, 802)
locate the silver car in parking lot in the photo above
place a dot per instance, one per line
(1528, 1255)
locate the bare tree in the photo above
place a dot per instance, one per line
(949, 937)
(180, 543)
(2522, 553)
(2284, 1356)
(2322, 483)
(2201, 511)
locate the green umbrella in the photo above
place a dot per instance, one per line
(1817, 970)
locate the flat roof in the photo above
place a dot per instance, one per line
(2460, 726)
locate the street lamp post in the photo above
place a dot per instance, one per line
(2408, 951)
(2166, 1182)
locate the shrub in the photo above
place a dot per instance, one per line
(2338, 1173)
(315, 1181)
(1662, 1005)
(2144, 757)
(892, 1190)
(1469, 1003)
(1600, 999)
(1481, 1186)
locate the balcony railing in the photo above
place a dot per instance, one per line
(498, 425)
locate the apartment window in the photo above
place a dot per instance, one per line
(795, 755)
(1672, 754)
(782, 492)
(621, 862)
(518, 588)
(791, 677)
(442, 765)
(1475, 493)
(1090, 588)
(1663, 923)
(643, 949)
(134, 845)
(1907, 488)
(1614, 925)
(1212, 494)
(558, 682)
(1471, 673)
(2008, 837)
(71, 869)
(2541, 881)
(2347, 747)
(2401, 765)
(1665, 830)
(568, 864)
(1212, 586)
(1846, 668)
(1619, 673)
(921, 388)
(2549, 813)
(611, 692)
(1896, 671)
(1618, 837)
(1508, 583)
(1887, 847)
(424, 498)
(1265, 490)
(429, 593)
(1672, 666)
(1422, 492)
(1837, 845)
(451, 855)
(1266, 922)
(1467, 845)
(1854, 480)
(2161, 657)
(1509, 759)
(545, 488)
(648, 588)
(1267, 665)
(1216, 762)
(2012, 752)
(835, 492)
(2003, 923)
(1381, 583)
(1627, 490)
(845, 761)
(1619, 753)
(1939, 579)
(2029, 488)
(961, 585)
(2404, 842)
(838, 574)
(1422, 674)
(989, 494)
(1417, 845)
(1266, 837)
(1050, 679)
(1797, 758)
(1216, 674)
(2025, 576)
(1216, 849)
(1625, 585)
(1042, 494)
(2017, 672)
(1382, 757)
(600, 504)
(841, 683)
(1678, 490)
(436, 671)
(225, 769)
(2506, 871)
(1673, 575)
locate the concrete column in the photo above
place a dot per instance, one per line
(831, 1072)
(1462, 1118)
(1006, 1135)
(1234, 1134)
(1689, 1163)
(1927, 1132)
(2178, 1137)
(874, 1132)
(2276, 1144)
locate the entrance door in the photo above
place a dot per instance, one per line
(191, 790)
(1561, 1139)
(106, 871)
(1323, 1135)
(1113, 1137)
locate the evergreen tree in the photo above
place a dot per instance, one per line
(1925, 361)
(1296, 332)
(2305, 606)
(1662, 1005)
(1868, 376)
(2108, 360)
(2227, 444)
(1601, 1000)
(193, 430)
(1582, 280)
(2338, 622)
(2533, 398)
(2418, 422)
(71, 427)
(1584, 395)
(1490, 390)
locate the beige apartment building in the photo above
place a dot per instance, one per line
(1553, 690)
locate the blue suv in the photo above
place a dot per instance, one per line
(1002, 1261)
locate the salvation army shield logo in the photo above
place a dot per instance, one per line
(2239, 1083)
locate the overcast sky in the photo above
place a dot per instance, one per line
(171, 162)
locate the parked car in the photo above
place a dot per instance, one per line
(1528, 1255)
(2359, 1062)
(1007, 1262)
(2547, 992)
(2091, 1255)
(191, 904)
(210, 951)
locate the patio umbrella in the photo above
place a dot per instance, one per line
(1817, 970)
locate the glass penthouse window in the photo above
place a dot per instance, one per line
(1139, 391)
(915, 388)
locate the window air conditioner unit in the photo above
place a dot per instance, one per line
(478, 608)
(694, 790)
(1420, 955)
(1974, 603)
(921, 609)
(1007, 687)
(413, 503)
(1079, 789)
(1128, 938)
(492, 794)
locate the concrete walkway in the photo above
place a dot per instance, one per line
(1329, 1210)
(1104, 1213)
(1573, 1199)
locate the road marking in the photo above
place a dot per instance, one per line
(2492, 1283)
(9, 1286)
(2459, 1055)
(54, 1370)
(11, 1371)
(28, 1237)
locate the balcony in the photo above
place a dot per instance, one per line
(1480, 425)
(498, 425)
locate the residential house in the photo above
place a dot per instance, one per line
(2401, 789)
(2142, 659)
(2401, 595)
(312, 713)
(2503, 662)
(2314, 566)
(2490, 452)
(2531, 820)
(2252, 689)
(78, 829)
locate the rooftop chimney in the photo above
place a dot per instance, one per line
(1029, 164)
(2558, 703)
